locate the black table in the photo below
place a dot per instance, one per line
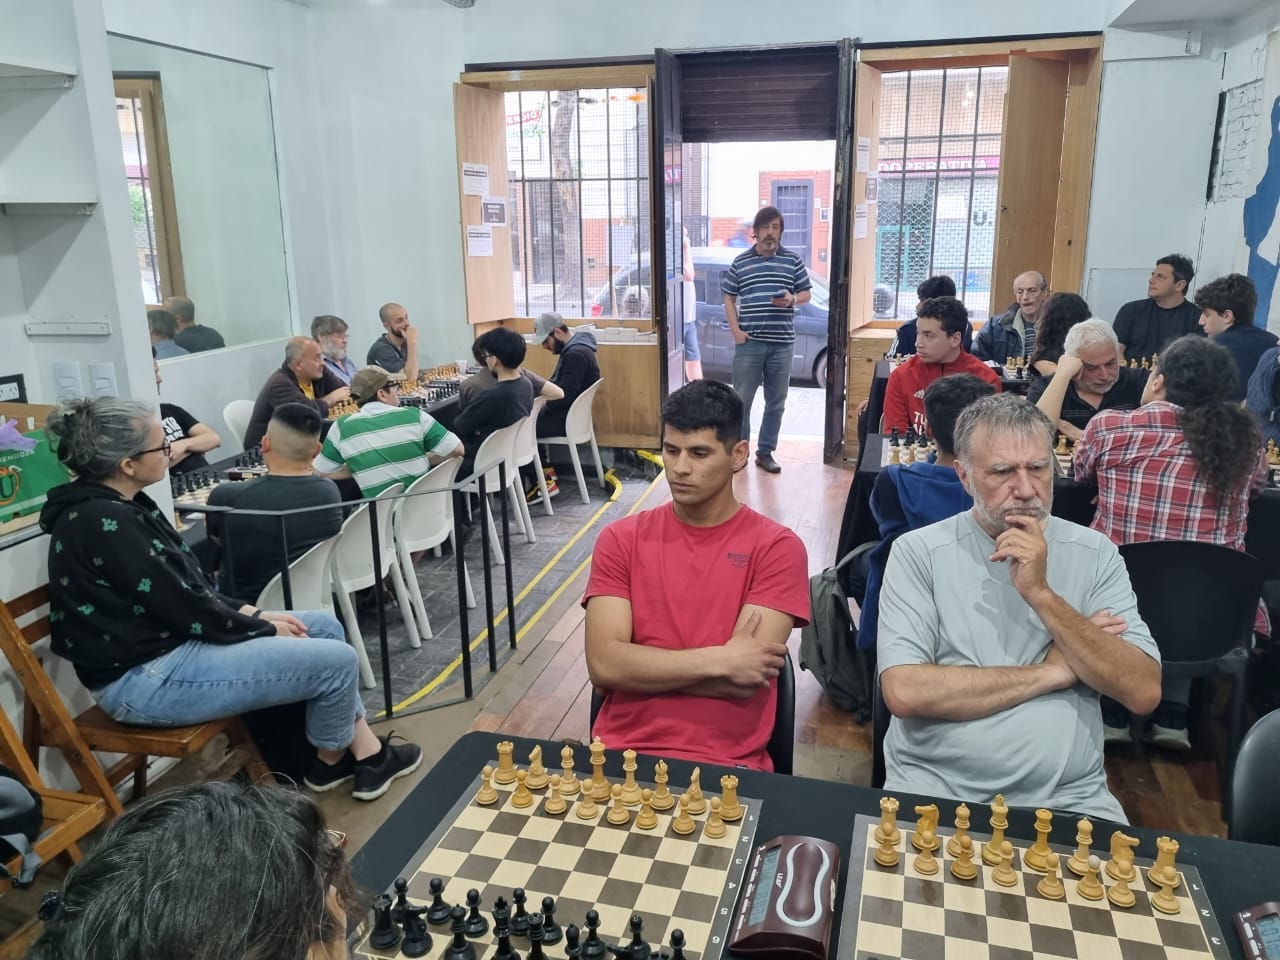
(1071, 501)
(1236, 875)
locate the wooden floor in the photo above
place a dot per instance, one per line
(549, 694)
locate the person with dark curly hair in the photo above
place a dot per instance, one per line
(218, 871)
(1181, 467)
(1226, 307)
(1061, 312)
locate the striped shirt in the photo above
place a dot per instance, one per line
(755, 281)
(382, 445)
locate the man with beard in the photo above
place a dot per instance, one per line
(331, 333)
(1089, 378)
(1001, 627)
(397, 349)
(576, 369)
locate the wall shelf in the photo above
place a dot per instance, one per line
(18, 74)
(47, 208)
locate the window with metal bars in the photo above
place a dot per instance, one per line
(939, 166)
(146, 162)
(579, 182)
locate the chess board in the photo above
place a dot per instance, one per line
(921, 453)
(896, 912)
(689, 883)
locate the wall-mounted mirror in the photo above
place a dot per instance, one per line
(200, 156)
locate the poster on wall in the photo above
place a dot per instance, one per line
(493, 211)
(475, 179)
(859, 221)
(864, 154)
(479, 241)
(873, 189)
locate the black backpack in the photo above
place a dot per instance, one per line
(21, 816)
(829, 643)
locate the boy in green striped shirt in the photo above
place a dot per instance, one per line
(383, 443)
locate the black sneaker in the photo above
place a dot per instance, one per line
(322, 777)
(394, 760)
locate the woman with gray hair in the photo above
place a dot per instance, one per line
(146, 631)
(1089, 378)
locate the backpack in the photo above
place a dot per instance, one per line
(21, 817)
(829, 642)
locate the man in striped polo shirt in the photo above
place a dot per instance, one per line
(383, 443)
(761, 289)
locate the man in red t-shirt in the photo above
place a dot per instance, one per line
(940, 324)
(689, 605)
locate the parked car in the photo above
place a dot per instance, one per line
(809, 360)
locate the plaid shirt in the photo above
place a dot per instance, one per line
(1148, 488)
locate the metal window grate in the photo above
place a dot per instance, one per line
(129, 117)
(939, 165)
(579, 182)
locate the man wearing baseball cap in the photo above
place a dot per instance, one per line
(383, 443)
(576, 369)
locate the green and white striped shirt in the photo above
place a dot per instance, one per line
(382, 445)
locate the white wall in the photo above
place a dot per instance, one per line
(238, 372)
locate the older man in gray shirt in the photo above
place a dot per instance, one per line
(1000, 628)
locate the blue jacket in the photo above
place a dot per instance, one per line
(1247, 345)
(999, 338)
(1260, 398)
(905, 497)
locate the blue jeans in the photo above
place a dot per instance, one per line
(198, 682)
(764, 362)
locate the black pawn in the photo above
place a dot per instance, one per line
(417, 942)
(439, 910)
(385, 932)
(459, 947)
(402, 900)
(551, 932)
(639, 949)
(477, 926)
(519, 919)
(677, 944)
(572, 949)
(593, 948)
(535, 937)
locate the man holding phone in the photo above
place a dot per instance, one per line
(762, 288)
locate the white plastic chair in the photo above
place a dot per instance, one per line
(236, 416)
(527, 450)
(422, 523)
(352, 570)
(309, 581)
(497, 448)
(579, 427)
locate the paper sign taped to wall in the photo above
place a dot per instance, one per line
(475, 179)
(859, 221)
(493, 211)
(864, 154)
(479, 241)
(873, 189)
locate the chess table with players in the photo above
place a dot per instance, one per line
(519, 848)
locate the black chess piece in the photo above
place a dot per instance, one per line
(501, 914)
(893, 437)
(640, 950)
(519, 919)
(551, 932)
(535, 937)
(677, 944)
(505, 950)
(477, 926)
(593, 948)
(459, 947)
(439, 910)
(402, 900)
(572, 942)
(385, 933)
(417, 942)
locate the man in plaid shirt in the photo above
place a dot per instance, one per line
(1181, 467)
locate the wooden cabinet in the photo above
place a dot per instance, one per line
(866, 346)
(627, 406)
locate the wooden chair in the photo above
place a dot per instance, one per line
(49, 723)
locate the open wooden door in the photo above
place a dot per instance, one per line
(841, 219)
(666, 256)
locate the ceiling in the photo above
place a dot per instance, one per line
(1173, 12)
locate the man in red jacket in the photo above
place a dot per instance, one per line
(941, 322)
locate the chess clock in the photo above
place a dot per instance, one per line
(788, 900)
(1259, 929)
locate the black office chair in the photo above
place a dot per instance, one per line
(879, 727)
(1254, 817)
(782, 743)
(1199, 600)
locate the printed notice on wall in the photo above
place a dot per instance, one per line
(479, 241)
(873, 189)
(475, 179)
(493, 211)
(864, 154)
(859, 221)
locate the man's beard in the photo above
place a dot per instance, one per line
(333, 351)
(991, 521)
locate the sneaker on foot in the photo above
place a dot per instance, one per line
(553, 488)
(1168, 727)
(375, 774)
(533, 496)
(766, 463)
(1115, 724)
(322, 777)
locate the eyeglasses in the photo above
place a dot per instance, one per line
(166, 447)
